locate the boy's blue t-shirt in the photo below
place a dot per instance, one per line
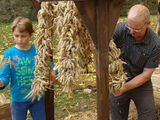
(20, 74)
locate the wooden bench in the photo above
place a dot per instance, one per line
(5, 112)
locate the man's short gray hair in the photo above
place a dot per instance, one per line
(139, 12)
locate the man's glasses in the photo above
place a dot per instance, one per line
(135, 30)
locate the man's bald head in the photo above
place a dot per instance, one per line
(139, 13)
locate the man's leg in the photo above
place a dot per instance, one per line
(119, 107)
(144, 101)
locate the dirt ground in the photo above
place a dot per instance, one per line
(92, 115)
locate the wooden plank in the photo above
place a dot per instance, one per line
(114, 13)
(37, 5)
(49, 104)
(88, 11)
(102, 59)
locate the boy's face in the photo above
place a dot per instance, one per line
(21, 39)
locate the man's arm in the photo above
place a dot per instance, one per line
(136, 81)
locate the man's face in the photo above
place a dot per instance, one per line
(137, 29)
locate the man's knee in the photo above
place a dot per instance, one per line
(147, 112)
(118, 108)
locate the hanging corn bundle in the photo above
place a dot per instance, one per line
(75, 39)
(86, 47)
(67, 32)
(43, 44)
(75, 47)
(117, 77)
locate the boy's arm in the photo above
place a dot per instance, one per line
(4, 74)
(53, 77)
(1, 83)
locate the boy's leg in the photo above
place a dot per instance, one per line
(37, 110)
(119, 107)
(19, 110)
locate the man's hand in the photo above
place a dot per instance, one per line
(1, 83)
(118, 93)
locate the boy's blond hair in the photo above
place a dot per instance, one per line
(23, 25)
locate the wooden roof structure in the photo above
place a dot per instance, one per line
(100, 17)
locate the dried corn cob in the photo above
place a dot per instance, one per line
(117, 77)
(67, 32)
(43, 44)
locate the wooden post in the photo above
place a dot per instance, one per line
(101, 17)
(102, 59)
(49, 104)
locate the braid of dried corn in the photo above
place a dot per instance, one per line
(43, 44)
(67, 31)
(72, 42)
(86, 46)
(6, 60)
(117, 77)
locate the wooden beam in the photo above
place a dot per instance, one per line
(88, 13)
(114, 13)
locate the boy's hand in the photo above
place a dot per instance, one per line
(1, 83)
(53, 77)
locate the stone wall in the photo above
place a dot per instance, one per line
(10, 9)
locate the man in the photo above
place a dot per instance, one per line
(140, 49)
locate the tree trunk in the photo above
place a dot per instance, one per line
(158, 19)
